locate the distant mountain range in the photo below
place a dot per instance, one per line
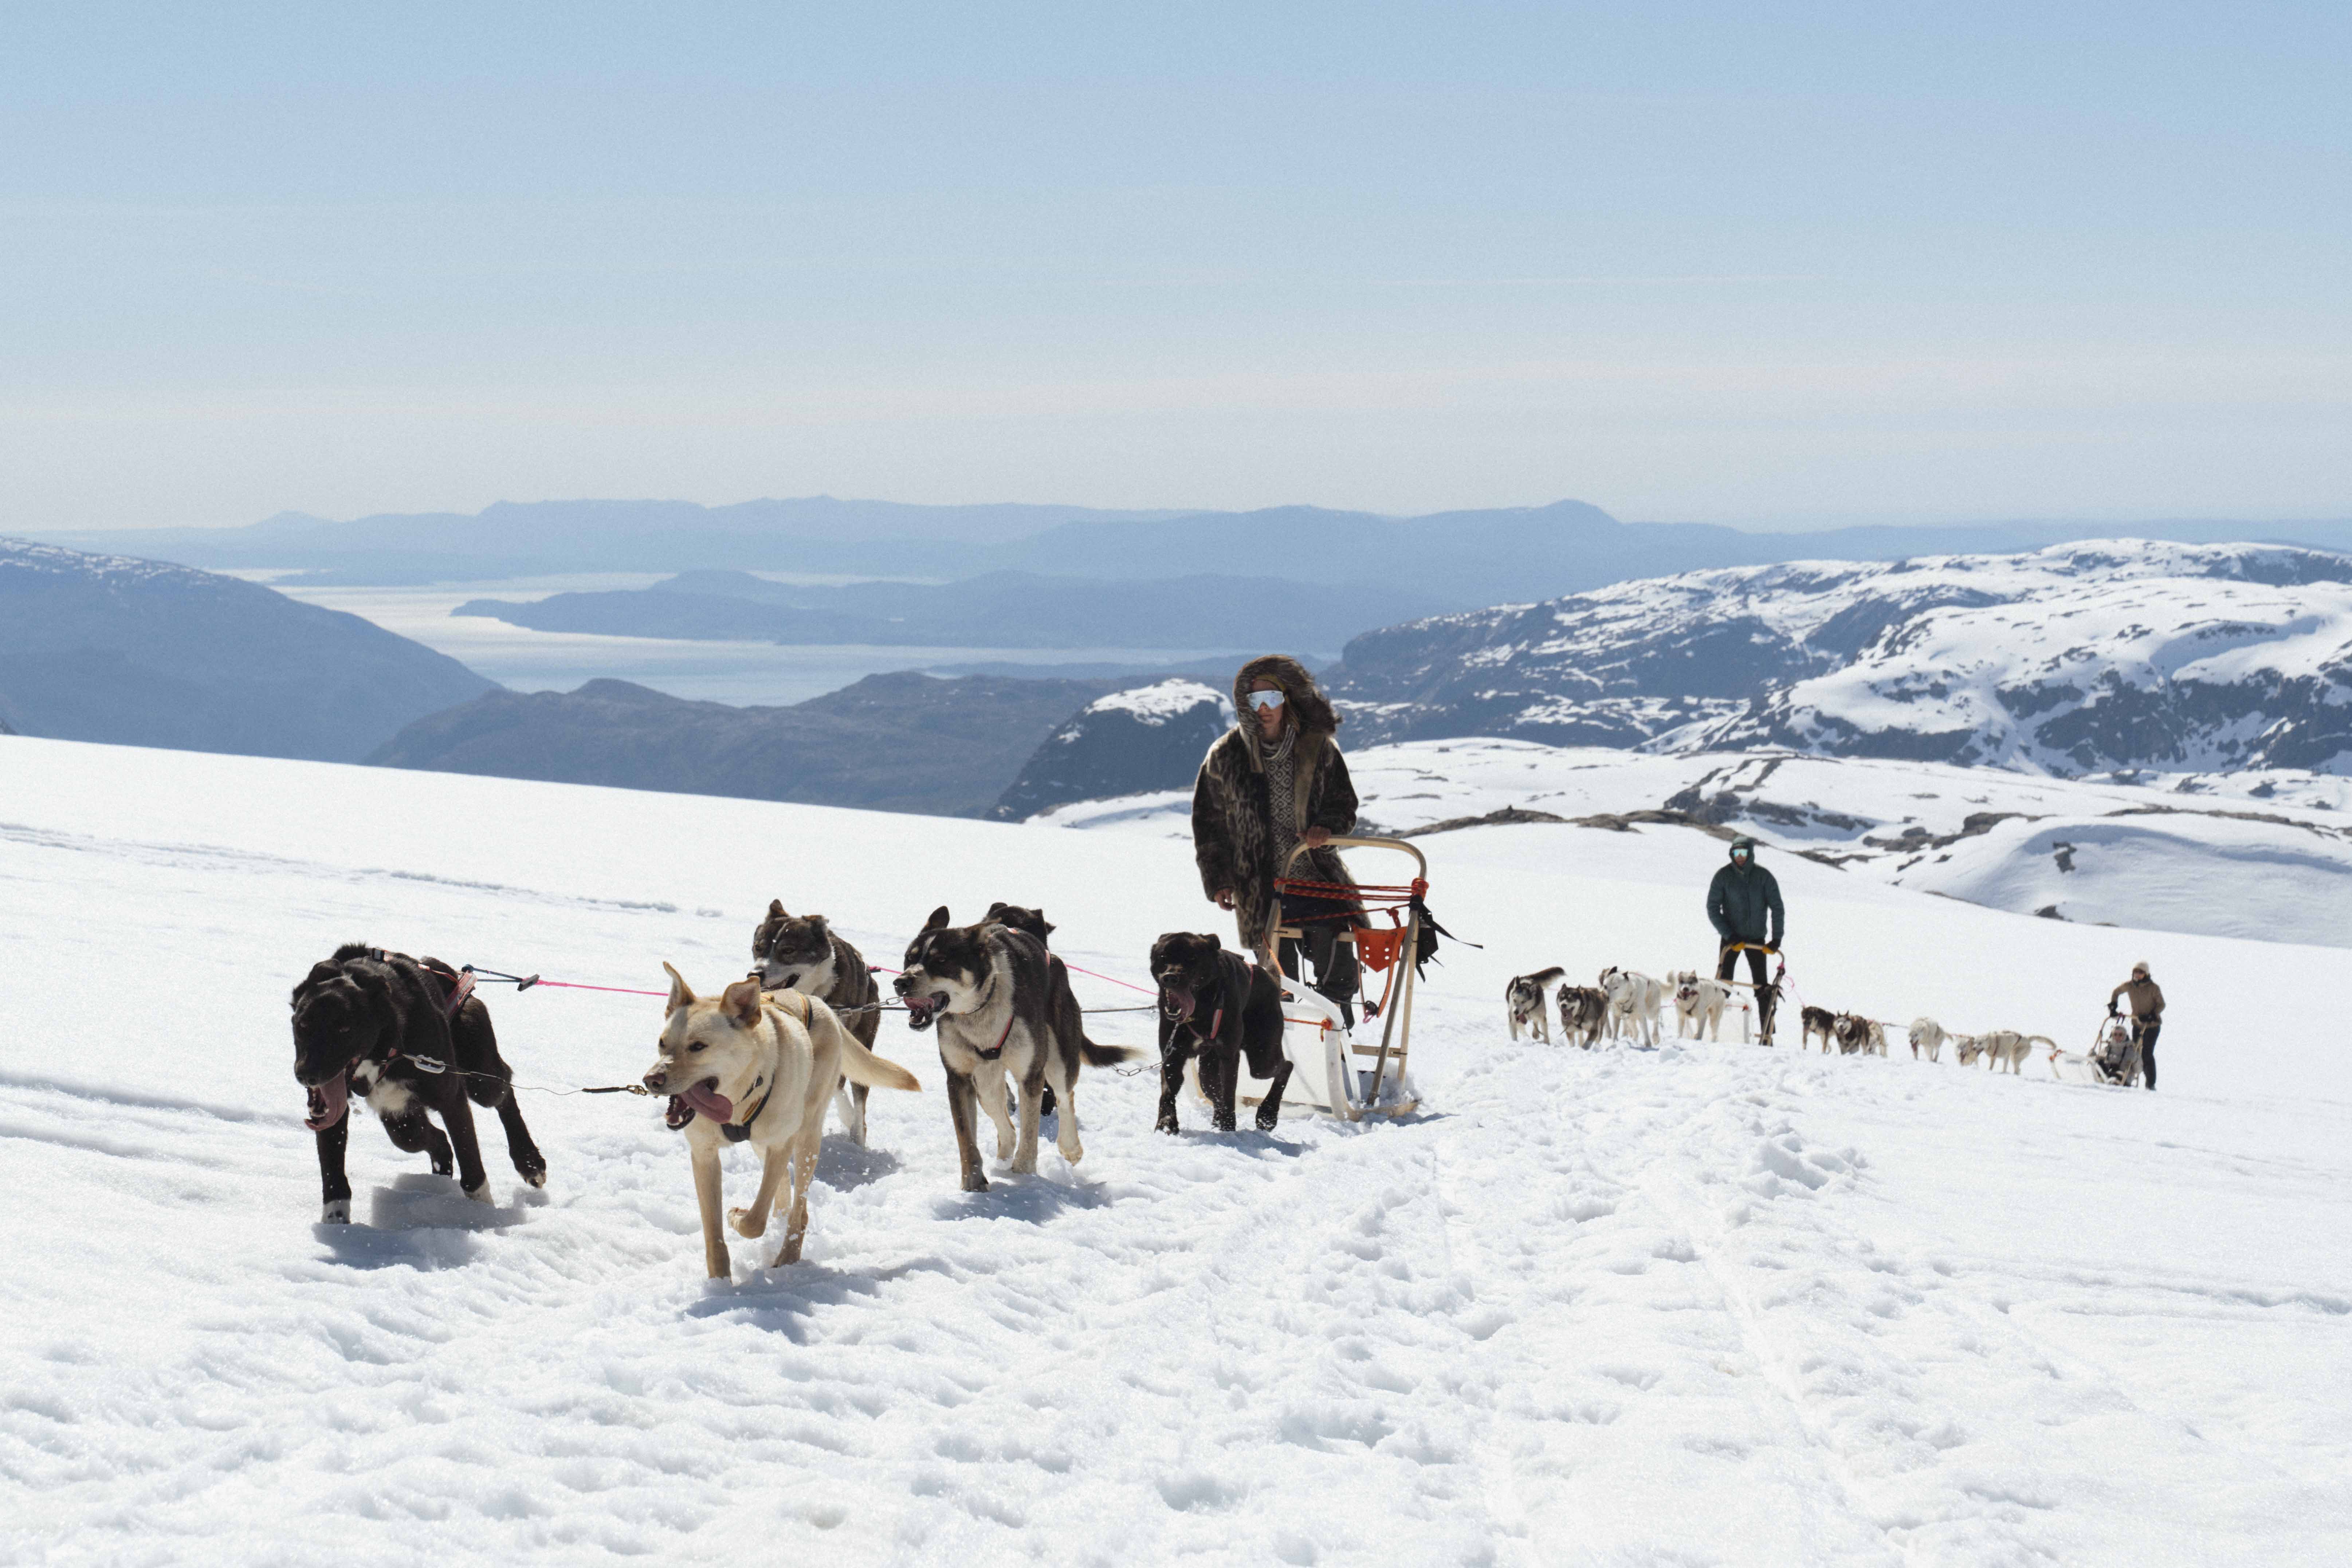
(107, 648)
(1001, 609)
(2083, 659)
(890, 742)
(1455, 560)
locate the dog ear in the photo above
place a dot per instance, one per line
(741, 1002)
(1214, 945)
(996, 909)
(776, 909)
(681, 995)
(939, 918)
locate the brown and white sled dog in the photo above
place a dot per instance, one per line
(1528, 1000)
(1927, 1038)
(1005, 1012)
(803, 954)
(757, 1067)
(1698, 1005)
(1584, 1014)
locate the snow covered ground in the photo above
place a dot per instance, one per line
(2256, 854)
(1705, 1304)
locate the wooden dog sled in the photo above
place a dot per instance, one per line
(1330, 1070)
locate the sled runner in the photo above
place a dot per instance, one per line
(1332, 1070)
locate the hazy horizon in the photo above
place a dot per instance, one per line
(1811, 523)
(1699, 263)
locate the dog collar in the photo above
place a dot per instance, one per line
(997, 1050)
(736, 1131)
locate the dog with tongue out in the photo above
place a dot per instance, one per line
(756, 1068)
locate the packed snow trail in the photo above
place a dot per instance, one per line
(1708, 1303)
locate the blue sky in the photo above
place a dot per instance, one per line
(1776, 265)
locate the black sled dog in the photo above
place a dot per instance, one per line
(1006, 1015)
(1218, 1006)
(803, 954)
(381, 1025)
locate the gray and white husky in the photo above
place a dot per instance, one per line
(800, 952)
(1005, 1012)
(1528, 999)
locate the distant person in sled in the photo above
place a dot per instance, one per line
(1273, 782)
(2147, 1015)
(1743, 903)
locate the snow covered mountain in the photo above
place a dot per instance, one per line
(1708, 1303)
(107, 648)
(2078, 659)
(1145, 738)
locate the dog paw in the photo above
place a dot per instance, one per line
(1165, 1124)
(480, 1194)
(337, 1213)
(1225, 1122)
(443, 1168)
(1072, 1150)
(1266, 1124)
(973, 1182)
(533, 1172)
(745, 1223)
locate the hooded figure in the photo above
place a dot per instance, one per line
(1743, 903)
(1273, 781)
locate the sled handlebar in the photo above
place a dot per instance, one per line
(1338, 841)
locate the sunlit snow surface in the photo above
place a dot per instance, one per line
(1706, 1304)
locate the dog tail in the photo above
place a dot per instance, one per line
(1545, 976)
(1106, 1055)
(859, 1065)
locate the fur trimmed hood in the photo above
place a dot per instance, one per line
(1310, 710)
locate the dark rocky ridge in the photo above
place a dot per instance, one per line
(140, 653)
(903, 742)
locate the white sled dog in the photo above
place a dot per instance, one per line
(1633, 1003)
(757, 1068)
(1698, 1005)
(1528, 1001)
(1927, 1038)
(1967, 1048)
(2008, 1048)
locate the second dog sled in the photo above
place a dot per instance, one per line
(1331, 1069)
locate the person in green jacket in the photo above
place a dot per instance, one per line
(1743, 903)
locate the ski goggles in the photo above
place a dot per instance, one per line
(1261, 700)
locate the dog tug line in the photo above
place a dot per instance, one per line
(471, 974)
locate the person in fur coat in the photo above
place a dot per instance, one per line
(1275, 780)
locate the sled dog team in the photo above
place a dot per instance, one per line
(758, 1063)
(1624, 1004)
